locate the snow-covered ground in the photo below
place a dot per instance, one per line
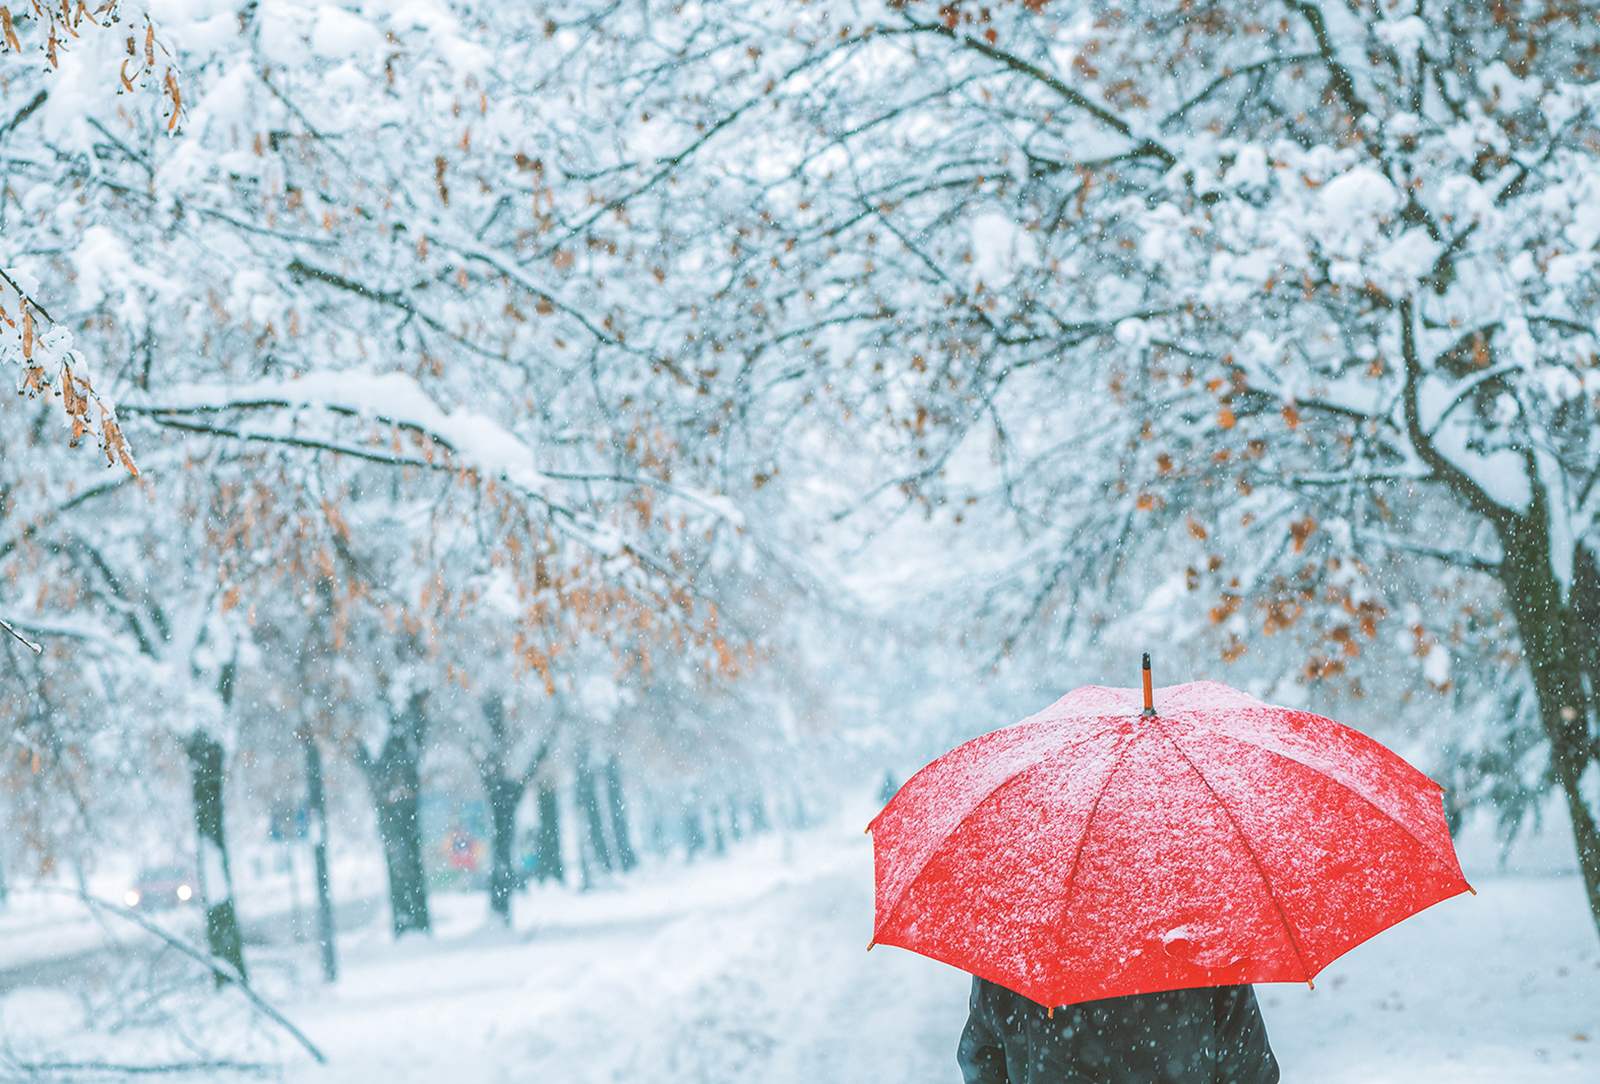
(753, 967)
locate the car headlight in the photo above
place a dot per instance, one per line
(184, 892)
(131, 899)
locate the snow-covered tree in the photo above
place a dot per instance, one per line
(1263, 295)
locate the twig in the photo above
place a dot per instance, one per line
(29, 644)
(217, 967)
(137, 1070)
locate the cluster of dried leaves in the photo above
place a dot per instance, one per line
(60, 25)
(22, 322)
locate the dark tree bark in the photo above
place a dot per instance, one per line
(759, 824)
(504, 792)
(593, 818)
(549, 833)
(626, 858)
(694, 836)
(719, 843)
(799, 817)
(216, 883)
(317, 805)
(396, 791)
(1550, 643)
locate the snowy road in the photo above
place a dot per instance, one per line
(752, 968)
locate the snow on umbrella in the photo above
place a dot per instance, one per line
(1095, 850)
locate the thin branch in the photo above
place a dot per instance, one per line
(1228, 76)
(1454, 558)
(1343, 84)
(217, 967)
(1472, 385)
(1144, 148)
(74, 1067)
(1333, 408)
(1461, 483)
(29, 644)
(302, 271)
(127, 151)
(569, 520)
(24, 113)
(1349, 479)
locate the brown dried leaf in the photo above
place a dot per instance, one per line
(1301, 531)
(177, 99)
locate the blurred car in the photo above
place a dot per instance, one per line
(161, 888)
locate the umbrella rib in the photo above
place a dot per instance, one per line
(1088, 823)
(1346, 787)
(911, 880)
(1283, 917)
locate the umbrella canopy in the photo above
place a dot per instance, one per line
(1093, 850)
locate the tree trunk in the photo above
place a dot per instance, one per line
(504, 797)
(318, 810)
(549, 833)
(626, 858)
(396, 792)
(594, 818)
(504, 792)
(216, 884)
(694, 836)
(402, 851)
(1550, 643)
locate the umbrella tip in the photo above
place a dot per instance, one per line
(1311, 984)
(1149, 695)
(870, 944)
(1050, 1013)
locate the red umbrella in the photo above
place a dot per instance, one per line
(1095, 850)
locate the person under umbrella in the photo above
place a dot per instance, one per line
(1201, 1034)
(1115, 878)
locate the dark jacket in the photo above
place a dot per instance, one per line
(1212, 1035)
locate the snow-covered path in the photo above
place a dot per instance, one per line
(749, 968)
(752, 968)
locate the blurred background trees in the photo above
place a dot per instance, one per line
(645, 421)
